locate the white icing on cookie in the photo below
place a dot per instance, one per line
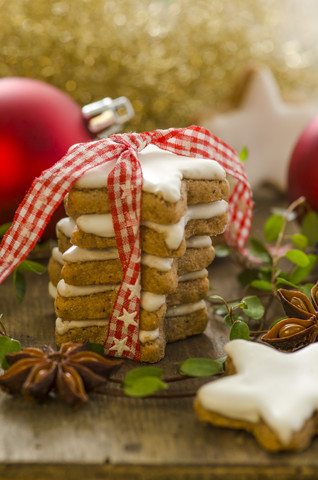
(63, 326)
(163, 264)
(66, 226)
(77, 254)
(279, 388)
(174, 233)
(151, 301)
(57, 255)
(162, 172)
(66, 290)
(52, 291)
(199, 241)
(193, 275)
(206, 210)
(146, 336)
(185, 309)
(102, 225)
(98, 224)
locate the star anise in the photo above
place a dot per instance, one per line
(301, 328)
(70, 373)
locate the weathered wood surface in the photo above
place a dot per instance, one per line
(111, 437)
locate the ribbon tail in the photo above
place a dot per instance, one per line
(45, 195)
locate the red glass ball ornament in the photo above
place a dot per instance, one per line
(38, 123)
(303, 166)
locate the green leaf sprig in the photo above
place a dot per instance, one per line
(243, 154)
(202, 367)
(271, 273)
(281, 260)
(143, 381)
(238, 314)
(146, 381)
(7, 345)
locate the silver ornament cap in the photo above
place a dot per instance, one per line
(107, 116)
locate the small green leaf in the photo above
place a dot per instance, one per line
(254, 308)
(143, 381)
(299, 274)
(261, 285)
(201, 367)
(144, 386)
(284, 281)
(7, 345)
(239, 329)
(297, 257)
(141, 372)
(241, 305)
(309, 228)
(300, 241)
(4, 228)
(216, 297)
(19, 284)
(30, 266)
(222, 251)
(243, 155)
(273, 227)
(96, 348)
(259, 250)
(222, 310)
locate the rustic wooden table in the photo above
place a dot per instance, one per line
(115, 437)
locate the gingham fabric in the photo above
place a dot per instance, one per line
(125, 185)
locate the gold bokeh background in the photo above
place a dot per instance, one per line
(172, 59)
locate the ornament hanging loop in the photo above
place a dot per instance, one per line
(106, 117)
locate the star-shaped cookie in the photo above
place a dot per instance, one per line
(264, 123)
(272, 394)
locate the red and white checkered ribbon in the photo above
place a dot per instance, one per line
(48, 191)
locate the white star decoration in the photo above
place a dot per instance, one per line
(266, 125)
(128, 318)
(126, 190)
(120, 346)
(134, 289)
(280, 388)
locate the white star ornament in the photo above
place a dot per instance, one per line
(266, 125)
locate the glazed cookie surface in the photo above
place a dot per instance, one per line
(271, 394)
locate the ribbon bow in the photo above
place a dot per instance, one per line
(48, 191)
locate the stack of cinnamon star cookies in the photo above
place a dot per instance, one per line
(183, 205)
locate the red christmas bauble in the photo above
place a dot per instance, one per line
(303, 167)
(38, 123)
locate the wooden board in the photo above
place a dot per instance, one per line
(114, 437)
